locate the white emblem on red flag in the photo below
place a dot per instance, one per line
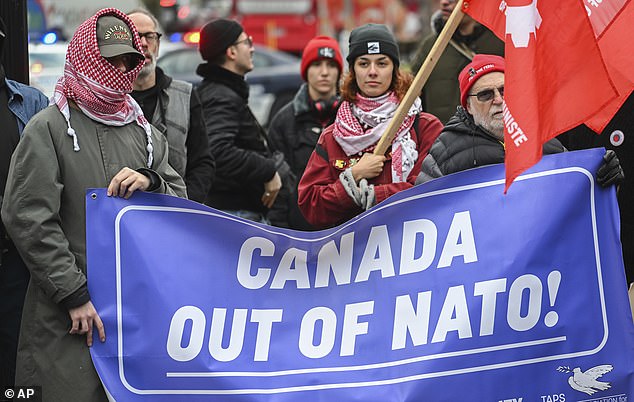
(521, 22)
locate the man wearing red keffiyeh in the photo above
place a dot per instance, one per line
(343, 178)
(93, 135)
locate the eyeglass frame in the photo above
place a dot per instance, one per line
(151, 38)
(248, 40)
(487, 95)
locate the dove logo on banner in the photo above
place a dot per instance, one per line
(521, 22)
(448, 291)
(586, 381)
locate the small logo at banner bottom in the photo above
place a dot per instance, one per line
(586, 381)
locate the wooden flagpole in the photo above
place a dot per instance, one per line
(421, 78)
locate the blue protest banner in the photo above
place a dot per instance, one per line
(450, 291)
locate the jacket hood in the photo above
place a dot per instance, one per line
(300, 101)
(438, 23)
(163, 81)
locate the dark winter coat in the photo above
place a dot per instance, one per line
(463, 145)
(294, 131)
(618, 135)
(237, 141)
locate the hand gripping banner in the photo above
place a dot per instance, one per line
(450, 291)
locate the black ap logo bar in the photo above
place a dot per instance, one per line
(31, 394)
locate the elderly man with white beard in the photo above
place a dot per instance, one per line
(474, 135)
(172, 107)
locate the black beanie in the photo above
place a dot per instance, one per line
(372, 39)
(216, 37)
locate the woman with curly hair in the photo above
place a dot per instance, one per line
(343, 177)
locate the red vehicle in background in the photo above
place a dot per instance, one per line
(286, 25)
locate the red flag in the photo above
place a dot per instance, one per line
(612, 23)
(555, 75)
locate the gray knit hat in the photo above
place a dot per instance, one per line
(372, 39)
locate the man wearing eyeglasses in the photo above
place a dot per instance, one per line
(174, 108)
(248, 175)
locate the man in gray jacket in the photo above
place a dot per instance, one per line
(94, 135)
(174, 108)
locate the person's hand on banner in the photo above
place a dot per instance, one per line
(610, 172)
(126, 182)
(84, 317)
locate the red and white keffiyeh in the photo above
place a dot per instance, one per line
(359, 126)
(99, 89)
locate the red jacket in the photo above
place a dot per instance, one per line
(321, 196)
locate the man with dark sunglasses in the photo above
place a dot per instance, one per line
(474, 136)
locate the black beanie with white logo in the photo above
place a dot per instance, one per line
(372, 39)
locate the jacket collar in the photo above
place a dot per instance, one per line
(14, 90)
(301, 103)
(215, 73)
(162, 81)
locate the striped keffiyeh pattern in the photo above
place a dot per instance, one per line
(98, 88)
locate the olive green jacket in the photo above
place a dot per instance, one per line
(441, 93)
(44, 213)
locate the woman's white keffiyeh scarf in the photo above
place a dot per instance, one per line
(359, 126)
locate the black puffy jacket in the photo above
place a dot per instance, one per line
(463, 145)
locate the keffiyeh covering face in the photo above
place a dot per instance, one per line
(99, 88)
(360, 125)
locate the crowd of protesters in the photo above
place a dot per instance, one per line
(118, 121)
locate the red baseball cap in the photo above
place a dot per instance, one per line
(481, 64)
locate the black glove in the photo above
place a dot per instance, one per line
(610, 172)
